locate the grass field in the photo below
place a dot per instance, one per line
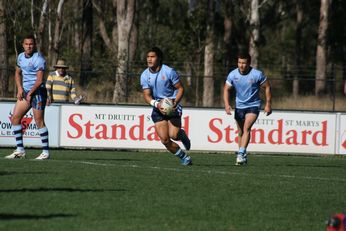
(113, 190)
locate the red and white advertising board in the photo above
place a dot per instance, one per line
(208, 129)
(342, 134)
(280, 132)
(31, 135)
(108, 127)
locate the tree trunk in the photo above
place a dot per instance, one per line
(110, 42)
(41, 27)
(299, 25)
(86, 44)
(195, 66)
(208, 79)
(227, 38)
(321, 53)
(125, 20)
(343, 60)
(134, 36)
(254, 32)
(54, 53)
(3, 51)
(76, 27)
(33, 27)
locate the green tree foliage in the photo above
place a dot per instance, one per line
(179, 28)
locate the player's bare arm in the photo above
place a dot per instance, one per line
(147, 95)
(149, 99)
(226, 90)
(18, 79)
(268, 94)
(179, 86)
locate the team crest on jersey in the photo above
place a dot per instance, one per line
(163, 77)
(251, 81)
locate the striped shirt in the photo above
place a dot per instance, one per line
(60, 88)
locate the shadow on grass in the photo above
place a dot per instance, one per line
(306, 165)
(113, 159)
(9, 216)
(4, 173)
(59, 190)
(214, 165)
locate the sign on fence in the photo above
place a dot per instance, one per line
(93, 126)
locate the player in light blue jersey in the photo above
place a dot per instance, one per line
(160, 81)
(29, 78)
(247, 82)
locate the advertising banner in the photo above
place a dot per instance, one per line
(208, 129)
(342, 137)
(290, 131)
(108, 127)
(31, 135)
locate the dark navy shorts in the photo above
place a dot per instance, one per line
(239, 113)
(157, 116)
(38, 98)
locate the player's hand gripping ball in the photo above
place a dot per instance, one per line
(166, 106)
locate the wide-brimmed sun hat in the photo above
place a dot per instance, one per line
(60, 64)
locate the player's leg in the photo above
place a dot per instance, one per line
(20, 109)
(241, 159)
(163, 132)
(38, 108)
(250, 119)
(240, 126)
(239, 116)
(39, 120)
(174, 127)
(162, 129)
(182, 136)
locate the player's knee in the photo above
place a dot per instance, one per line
(15, 120)
(247, 130)
(174, 136)
(166, 141)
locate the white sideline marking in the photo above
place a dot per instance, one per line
(210, 171)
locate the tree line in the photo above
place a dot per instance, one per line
(305, 39)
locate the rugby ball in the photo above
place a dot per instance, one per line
(166, 105)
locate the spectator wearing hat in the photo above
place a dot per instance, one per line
(60, 86)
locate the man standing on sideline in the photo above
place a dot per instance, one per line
(160, 81)
(29, 78)
(60, 86)
(247, 82)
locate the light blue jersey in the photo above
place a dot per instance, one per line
(30, 66)
(161, 83)
(247, 87)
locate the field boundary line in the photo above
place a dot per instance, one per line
(208, 171)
